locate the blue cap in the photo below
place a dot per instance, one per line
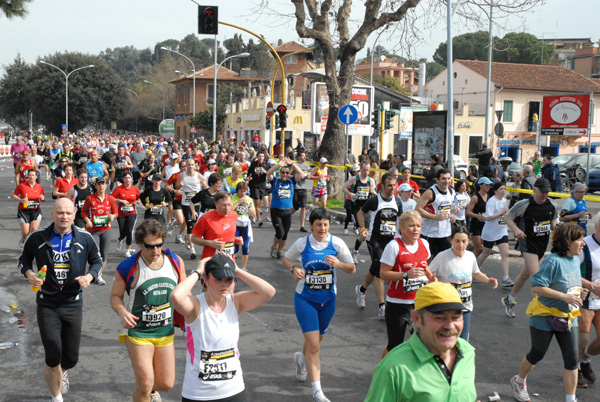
(484, 180)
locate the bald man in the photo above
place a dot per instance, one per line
(66, 251)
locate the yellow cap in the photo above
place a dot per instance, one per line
(437, 297)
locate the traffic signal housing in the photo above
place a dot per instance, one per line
(208, 20)
(282, 120)
(210, 121)
(389, 118)
(268, 123)
(376, 124)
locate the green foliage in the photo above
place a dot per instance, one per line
(128, 62)
(389, 82)
(14, 8)
(13, 94)
(433, 69)
(469, 46)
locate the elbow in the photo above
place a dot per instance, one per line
(352, 270)
(270, 292)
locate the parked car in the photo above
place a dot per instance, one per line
(573, 168)
(594, 184)
(514, 166)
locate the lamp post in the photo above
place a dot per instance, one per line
(137, 96)
(67, 75)
(215, 91)
(156, 85)
(193, 80)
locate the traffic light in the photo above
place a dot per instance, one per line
(210, 121)
(276, 121)
(282, 111)
(389, 118)
(268, 123)
(208, 20)
(375, 119)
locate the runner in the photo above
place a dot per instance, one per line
(244, 207)
(458, 266)
(406, 179)
(538, 218)
(257, 178)
(574, 209)
(320, 176)
(64, 184)
(282, 203)
(315, 298)
(226, 168)
(349, 206)
(230, 183)
(16, 150)
(384, 211)
(24, 166)
(96, 169)
(156, 200)
(213, 371)
(406, 192)
(461, 200)
(98, 211)
(29, 194)
(301, 189)
(149, 278)
(476, 211)
(149, 167)
(175, 190)
(126, 196)
(120, 165)
(78, 194)
(191, 183)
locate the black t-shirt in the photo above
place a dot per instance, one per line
(258, 174)
(149, 196)
(81, 158)
(107, 157)
(205, 199)
(383, 224)
(145, 167)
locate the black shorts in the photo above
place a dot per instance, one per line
(476, 227)
(376, 250)
(532, 247)
(300, 198)
(29, 215)
(437, 244)
(257, 193)
(490, 244)
(176, 204)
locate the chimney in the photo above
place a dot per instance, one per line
(422, 69)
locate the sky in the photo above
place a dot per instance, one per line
(93, 26)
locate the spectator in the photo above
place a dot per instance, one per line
(483, 156)
(551, 172)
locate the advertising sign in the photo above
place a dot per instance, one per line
(167, 126)
(361, 99)
(566, 115)
(429, 137)
(406, 121)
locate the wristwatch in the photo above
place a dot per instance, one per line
(404, 275)
(198, 273)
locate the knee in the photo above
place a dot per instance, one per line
(144, 385)
(164, 384)
(313, 348)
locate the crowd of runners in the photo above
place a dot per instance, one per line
(215, 196)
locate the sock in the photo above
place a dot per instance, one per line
(363, 289)
(586, 357)
(511, 298)
(316, 386)
(504, 278)
(570, 398)
(302, 358)
(381, 304)
(520, 380)
(58, 398)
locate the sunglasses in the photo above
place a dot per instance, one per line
(152, 246)
(284, 172)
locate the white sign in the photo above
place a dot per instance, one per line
(251, 117)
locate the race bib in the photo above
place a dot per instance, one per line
(363, 193)
(187, 196)
(229, 249)
(33, 204)
(414, 284)
(501, 220)
(575, 290)
(268, 185)
(541, 228)
(462, 204)
(464, 291)
(284, 193)
(592, 296)
(227, 171)
(217, 365)
(156, 210)
(80, 204)
(127, 208)
(100, 221)
(259, 170)
(322, 183)
(119, 165)
(62, 273)
(156, 316)
(387, 228)
(444, 207)
(584, 219)
(319, 279)
(242, 209)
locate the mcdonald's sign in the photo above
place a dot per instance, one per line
(298, 120)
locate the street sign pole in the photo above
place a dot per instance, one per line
(346, 154)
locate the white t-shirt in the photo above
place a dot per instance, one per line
(495, 229)
(460, 202)
(458, 271)
(408, 205)
(295, 252)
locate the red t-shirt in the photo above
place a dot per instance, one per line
(32, 193)
(213, 226)
(63, 185)
(171, 182)
(97, 211)
(25, 166)
(130, 195)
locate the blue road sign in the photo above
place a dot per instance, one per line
(348, 114)
(64, 127)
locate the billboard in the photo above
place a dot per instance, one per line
(429, 137)
(406, 121)
(566, 115)
(361, 99)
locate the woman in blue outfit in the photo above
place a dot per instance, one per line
(320, 254)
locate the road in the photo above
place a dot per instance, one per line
(269, 335)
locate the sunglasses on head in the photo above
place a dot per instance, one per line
(152, 246)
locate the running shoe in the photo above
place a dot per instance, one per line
(64, 385)
(155, 397)
(169, 229)
(127, 253)
(22, 242)
(319, 396)
(345, 232)
(193, 256)
(508, 306)
(588, 373)
(100, 282)
(520, 390)
(355, 256)
(273, 252)
(119, 245)
(303, 230)
(279, 255)
(268, 219)
(381, 311)
(581, 383)
(360, 300)
(300, 368)
(179, 239)
(188, 245)
(507, 283)
(356, 231)
(260, 223)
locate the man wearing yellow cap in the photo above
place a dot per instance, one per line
(435, 364)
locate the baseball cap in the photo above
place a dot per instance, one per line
(211, 162)
(100, 180)
(157, 177)
(355, 168)
(112, 146)
(220, 266)
(484, 180)
(323, 160)
(174, 155)
(405, 187)
(271, 161)
(543, 185)
(437, 297)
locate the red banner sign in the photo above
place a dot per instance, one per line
(566, 115)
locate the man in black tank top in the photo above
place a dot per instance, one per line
(538, 218)
(78, 193)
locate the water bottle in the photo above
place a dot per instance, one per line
(41, 275)
(8, 345)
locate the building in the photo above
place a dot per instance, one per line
(565, 49)
(408, 76)
(518, 91)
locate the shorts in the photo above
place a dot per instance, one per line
(313, 316)
(437, 244)
(376, 250)
(25, 216)
(300, 198)
(157, 342)
(476, 227)
(60, 330)
(257, 193)
(177, 204)
(319, 192)
(533, 247)
(490, 244)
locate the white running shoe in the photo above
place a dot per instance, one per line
(520, 390)
(300, 368)
(381, 311)
(22, 242)
(319, 396)
(355, 256)
(169, 229)
(127, 253)
(100, 282)
(179, 239)
(64, 385)
(346, 232)
(360, 300)
(193, 255)
(155, 397)
(119, 245)
(357, 231)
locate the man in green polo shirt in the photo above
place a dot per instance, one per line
(445, 363)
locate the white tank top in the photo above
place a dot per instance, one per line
(213, 369)
(441, 203)
(170, 171)
(190, 187)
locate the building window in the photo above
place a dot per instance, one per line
(291, 59)
(508, 111)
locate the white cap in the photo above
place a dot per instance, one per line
(323, 160)
(174, 155)
(405, 187)
(271, 161)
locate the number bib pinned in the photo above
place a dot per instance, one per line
(319, 279)
(217, 365)
(156, 316)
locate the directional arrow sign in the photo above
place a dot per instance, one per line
(348, 114)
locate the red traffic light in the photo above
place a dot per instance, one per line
(281, 109)
(209, 12)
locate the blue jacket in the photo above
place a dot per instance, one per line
(83, 250)
(551, 172)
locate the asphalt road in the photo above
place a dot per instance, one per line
(269, 335)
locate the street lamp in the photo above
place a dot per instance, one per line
(66, 86)
(194, 72)
(156, 85)
(136, 117)
(215, 91)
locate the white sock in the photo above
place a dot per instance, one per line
(570, 398)
(520, 380)
(302, 358)
(58, 398)
(504, 278)
(511, 298)
(316, 386)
